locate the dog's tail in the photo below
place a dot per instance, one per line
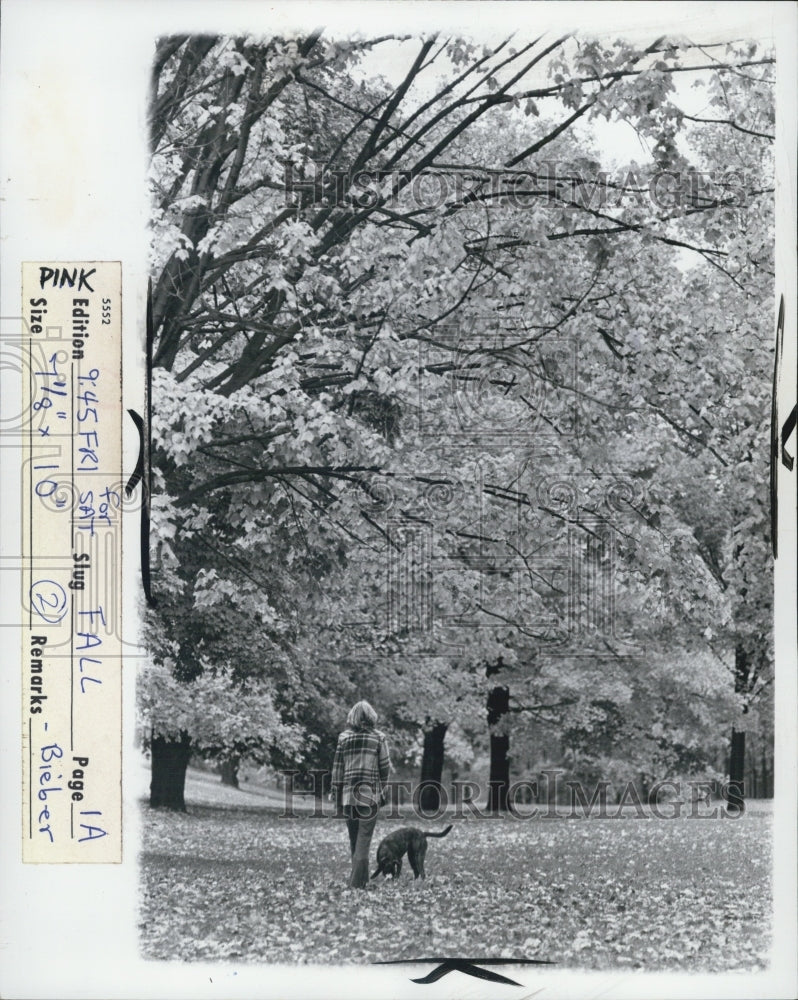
(441, 834)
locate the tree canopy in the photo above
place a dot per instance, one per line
(435, 383)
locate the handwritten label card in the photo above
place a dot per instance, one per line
(72, 488)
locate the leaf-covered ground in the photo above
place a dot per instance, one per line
(236, 883)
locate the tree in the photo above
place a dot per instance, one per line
(299, 272)
(211, 715)
(432, 766)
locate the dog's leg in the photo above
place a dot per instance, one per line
(421, 854)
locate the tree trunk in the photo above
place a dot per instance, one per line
(499, 772)
(432, 767)
(169, 762)
(229, 771)
(498, 706)
(767, 775)
(736, 793)
(321, 783)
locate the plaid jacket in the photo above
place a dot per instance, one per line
(361, 766)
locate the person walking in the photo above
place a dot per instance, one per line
(360, 770)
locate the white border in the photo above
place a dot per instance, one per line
(73, 108)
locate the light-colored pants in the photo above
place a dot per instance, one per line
(360, 821)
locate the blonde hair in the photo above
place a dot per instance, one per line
(361, 716)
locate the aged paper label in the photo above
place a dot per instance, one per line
(72, 490)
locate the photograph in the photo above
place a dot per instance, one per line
(398, 436)
(461, 366)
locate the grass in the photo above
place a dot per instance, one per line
(233, 882)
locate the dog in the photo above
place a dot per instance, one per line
(407, 839)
